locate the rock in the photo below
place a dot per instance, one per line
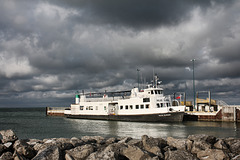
(93, 139)
(8, 146)
(2, 148)
(80, 152)
(17, 156)
(200, 146)
(33, 142)
(221, 144)
(8, 136)
(51, 140)
(201, 142)
(64, 143)
(162, 143)
(96, 147)
(68, 157)
(214, 154)
(234, 145)
(111, 140)
(39, 146)
(236, 157)
(110, 155)
(179, 155)
(152, 145)
(111, 152)
(135, 142)
(76, 142)
(203, 137)
(7, 156)
(183, 144)
(169, 148)
(24, 149)
(51, 152)
(125, 140)
(135, 153)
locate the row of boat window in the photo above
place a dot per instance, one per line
(156, 92)
(126, 107)
(90, 108)
(160, 105)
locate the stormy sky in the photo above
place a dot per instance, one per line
(49, 49)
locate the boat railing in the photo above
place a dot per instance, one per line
(106, 99)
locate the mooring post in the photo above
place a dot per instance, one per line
(234, 114)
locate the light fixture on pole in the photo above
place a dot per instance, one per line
(193, 60)
(138, 77)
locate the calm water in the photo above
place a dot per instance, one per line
(32, 123)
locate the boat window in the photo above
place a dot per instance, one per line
(156, 92)
(159, 92)
(167, 104)
(152, 92)
(90, 107)
(81, 107)
(96, 107)
(131, 107)
(146, 99)
(126, 107)
(87, 108)
(137, 106)
(149, 92)
(158, 106)
(105, 107)
(121, 107)
(142, 106)
(162, 105)
(147, 106)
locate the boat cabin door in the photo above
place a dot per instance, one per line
(112, 108)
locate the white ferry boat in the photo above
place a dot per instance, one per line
(147, 105)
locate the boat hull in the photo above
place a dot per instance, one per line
(160, 117)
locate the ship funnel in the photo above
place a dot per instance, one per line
(77, 99)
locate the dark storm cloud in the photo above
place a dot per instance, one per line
(50, 49)
(139, 14)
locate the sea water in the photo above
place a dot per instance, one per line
(33, 123)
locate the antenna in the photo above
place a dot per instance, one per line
(153, 77)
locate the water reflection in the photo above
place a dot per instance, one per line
(136, 130)
(32, 123)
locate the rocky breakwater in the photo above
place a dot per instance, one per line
(91, 148)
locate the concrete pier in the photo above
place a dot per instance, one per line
(55, 111)
(230, 113)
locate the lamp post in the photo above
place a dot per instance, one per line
(138, 77)
(193, 60)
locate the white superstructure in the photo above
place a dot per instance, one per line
(149, 104)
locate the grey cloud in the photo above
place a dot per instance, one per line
(57, 47)
(139, 14)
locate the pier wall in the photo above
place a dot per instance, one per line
(228, 113)
(231, 113)
(55, 111)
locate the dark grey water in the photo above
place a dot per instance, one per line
(32, 123)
